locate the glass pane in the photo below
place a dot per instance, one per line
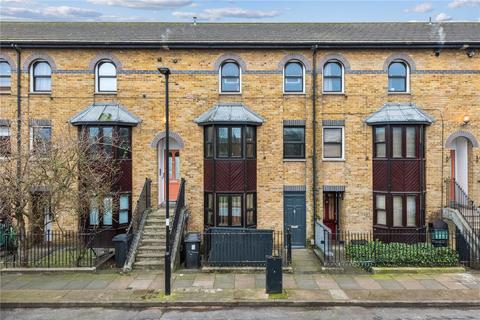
(236, 210)
(209, 134)
(381, 150)
(332, 135)
(94, 213)
(396, 85)
(123, 216)
(5, 82)
(177, 165)
(124, 143)
(209, 150)
(397, 211)
(332, 150)
(293, 84)
(107, 84)
(230, 69)
(124, 203)
(381, 217)
(293, 150)
(332, 69)
(397, 142)
(380, 201)
(249, 201)
(250, 218)
(43, 84)
(294, 69)
(108, 140)
(236, 142)
(410, 141)
(5, 69)
(210, 201)
(42, 138)
(42, 69)
(411, 211)
(380, 134)
(250, 150)
(250, 135)
(230, 84)
(170, 165)
(332, 84)
(223, 210)
(107, 211)
(397, 69)
(4, 131)
(222, 142)
(293, 134)
(107, 69)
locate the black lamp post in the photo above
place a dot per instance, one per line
(166, 72)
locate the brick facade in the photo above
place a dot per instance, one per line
(447, 87)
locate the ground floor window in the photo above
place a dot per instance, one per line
(109, 211)
(230, 209)
(397, 210)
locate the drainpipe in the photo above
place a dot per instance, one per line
(19, 120)
(314, 124)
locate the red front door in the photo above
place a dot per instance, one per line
(174, 172)
(330, 211)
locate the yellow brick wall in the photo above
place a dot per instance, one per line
(447, 96)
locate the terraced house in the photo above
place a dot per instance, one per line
(357, 126)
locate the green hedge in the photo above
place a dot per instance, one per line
(378, 254)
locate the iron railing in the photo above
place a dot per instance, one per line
(435, 248)
(144, 202)
(226, 247)
(50, 249)
(458, 199)
(179, 206)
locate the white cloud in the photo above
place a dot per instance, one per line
(50, 13)
(420, 8)
(14, 1)
(144, 4)
(463, 3)
(442, 17)
(212, 14)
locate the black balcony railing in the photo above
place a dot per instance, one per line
(458, 199)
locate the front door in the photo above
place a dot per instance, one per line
(330, 211)
(295, 217)
(174, 173)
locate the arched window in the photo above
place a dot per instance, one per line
(5, 75)
(293, 77)
(106, 77)
(41, 76)
(230, 77)
(398, 77)
(333, 77)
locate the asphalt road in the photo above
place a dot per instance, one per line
(242, 314)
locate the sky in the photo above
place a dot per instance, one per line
(240, 11)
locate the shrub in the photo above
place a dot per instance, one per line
(378, 254)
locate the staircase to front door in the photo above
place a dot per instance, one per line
(151, 251)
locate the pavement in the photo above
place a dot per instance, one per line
(306, 286)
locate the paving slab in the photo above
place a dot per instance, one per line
(204, 281)
(432, 284)
(326, 282)
(139, 284)
(224, 281)
(346, 282)
(389, 284)
(305, 282)
(410, 283)
(365, 282)
(244, 281)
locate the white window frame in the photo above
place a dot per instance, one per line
(97, 66)
(9, 135)
(31, 135)
(343, 78)
(9, 76)
(343, 143)
(303, 78)
(32, 78)
(220, 78)
(407, 84)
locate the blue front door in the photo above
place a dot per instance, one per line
(295, 217)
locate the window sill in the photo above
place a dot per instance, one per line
(334, 93)
(295, 160)
(47, 93)
(230, 93)
(5, 92)
(294, 93)
(399, 93)
(333, 159)
(106, 93)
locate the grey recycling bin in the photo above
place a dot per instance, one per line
(274, 283)
(192, 250)
(122, 243)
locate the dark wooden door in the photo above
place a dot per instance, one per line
(330, 211)
(295, 217)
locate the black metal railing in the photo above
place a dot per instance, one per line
(226, 247)
(458, 199)
(433, 248)
(144, 203)
(50, 249)
(179, 206)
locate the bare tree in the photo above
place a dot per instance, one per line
(64, 172)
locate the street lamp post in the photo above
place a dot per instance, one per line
(166, 72)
